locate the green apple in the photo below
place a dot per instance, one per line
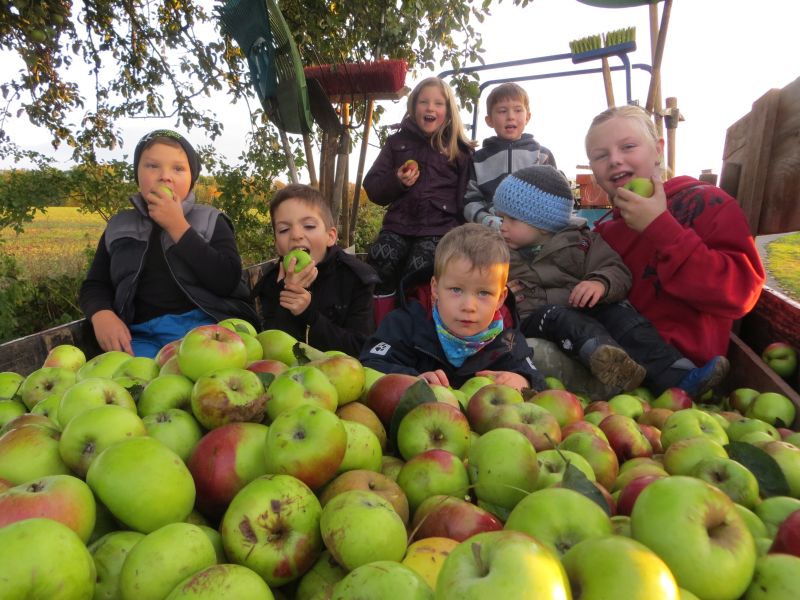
(222, 581)
(776, 577)
(788, 458)
(301, 257)
(109, 553)
(140, 368)
(103, 365)
(371, 481)
(253, 346)
(549, 516)
(737, 430)
(641, 185)
(43, 558)
(29, 452)
(753, 522)
(361, 413)
(565, 406)
(774, 510)
(165, 392)
(618, 567)
(10, 383)
(537, 424)
(781, 358)
(485, 402)
(228, 395)
(391, 465)
(48, 408)
(361, 527)
(553, 464)
(44, 382)
(143, 483)
(691, 422)
(10, 409)
(278, 345)
(501, 564)
(773, 408)
(621, 525)
(300, 385)
(318, 582)
(239, 326)
(433, 425)
(683, 456)
(382, 579)
(208, 348)
(553, 383)
(163, 559)
(598, 453)
(626, 404)
(729, 476)
(345, 373)
(363, 449)
(691, 525)
(433, 472)
(66, 356)
(91, 393)
(473, 384)
(177, 429)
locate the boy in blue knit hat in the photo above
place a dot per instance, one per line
(570, 288)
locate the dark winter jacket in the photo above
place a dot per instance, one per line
(340, 314)
(496, 159)
(435, 203)
(202, 270)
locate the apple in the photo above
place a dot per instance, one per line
(553, 383)
(224, 461)
(139, 368)
(745, 426)
(222, 581)
(731, 477)
(143, 483)
(266, 365)
(362, 479)
(781, 358)
(228, 395)
(549, 516)
(618, 567)
(10, 383)
(473, 384)
(583, 427)
(788, 458)
(10, 409)
(166, 392)
(625, 437)
(787, 538)
(386, 392)
(691, 422)
(360, 527)
(66, 356)
(655, 417)
(239, 326)
(641, 185)
(44, 382)
(307, 442)
(103, 365)
(776, 577)
(300, 385)
(363, 449)
(391, 465)
(503, 468)
(361, 413)
(317, 583)
(409, 166)
(345, 373)
(163, 559)
(426, 557)
(382, 579)
(433, 425)
(253, 346)
(167, 351)
(277, 345)
(629, 493)
(653, 435)
(450, 517)
(177, 429)
(553, 464)
(536, 423)
(626, 404)
(774, 510)
(109, 553)
(756, 526)
(741, 398)
(447, 395)
(502, 564)
(773, 408)
(43, 558)
(673, 399)
(94, 430)
(92, 392)
(683, 456)
(433, 472)
(691, 525)
(301, 257)
(598, 454)
(564, 405)
(171, 367)
(208, 348)
(30, 452)
(28, 419)
(632, 469)
(485, 401)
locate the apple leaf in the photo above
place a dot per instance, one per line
(771, 480)
(416, 394)
(136, 392)
(575, 479)
(300, 354)
(266, 378)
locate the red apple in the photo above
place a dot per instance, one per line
(484, 404)
(625, 437)
(565, 406)
(384, 395)
(673, 399)
(630, 492)
(267, 365)
(787, 539)
(450, 517)
(362, 479)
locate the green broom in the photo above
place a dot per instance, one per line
(609, 44)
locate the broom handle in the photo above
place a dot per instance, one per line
(312, 170)
(289, 158)
(362, 159)
(607, 83)
(659, 118)
(662, 38)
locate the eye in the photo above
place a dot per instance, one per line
(598, 156)
(455, 290)
(282, 230)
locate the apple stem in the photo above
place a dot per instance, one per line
(476, 554)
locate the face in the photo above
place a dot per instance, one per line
(161, 164)
(298, 225)
(518, 234)
(619, 150)
(430, 110)
(508, 119)
(468, 298)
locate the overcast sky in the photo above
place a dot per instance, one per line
(721, 56)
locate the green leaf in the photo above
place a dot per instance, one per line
(416, 394)
(771, 480)
(575, 479)
(266, 378)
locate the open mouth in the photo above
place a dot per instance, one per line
(303, 248)
(429, 118)
(620, 179)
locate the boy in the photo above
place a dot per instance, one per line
(508, 111)
(463, 334)
(327, 304)
(168, 264)
(570, 288)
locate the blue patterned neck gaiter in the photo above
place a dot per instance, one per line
(458, 349)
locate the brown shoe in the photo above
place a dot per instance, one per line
(614, 368)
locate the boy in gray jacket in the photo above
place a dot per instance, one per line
(570, 288)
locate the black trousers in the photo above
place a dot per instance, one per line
(393, 256)
(578, 332)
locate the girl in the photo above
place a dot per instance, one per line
(694, 263)
(421, 175)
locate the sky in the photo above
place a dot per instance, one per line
(720, 57)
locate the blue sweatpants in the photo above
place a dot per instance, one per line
(149, 337)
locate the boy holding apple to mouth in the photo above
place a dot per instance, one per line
(166, 265)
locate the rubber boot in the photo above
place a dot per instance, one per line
(382, 305)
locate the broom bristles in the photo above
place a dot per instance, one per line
(378, 77)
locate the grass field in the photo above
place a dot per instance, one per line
(783, 262)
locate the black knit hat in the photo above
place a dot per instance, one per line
(539, 195)
(191, 153)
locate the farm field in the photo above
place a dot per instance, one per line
(783, 262)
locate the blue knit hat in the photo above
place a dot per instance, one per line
(539, 195)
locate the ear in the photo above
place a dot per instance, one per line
(502, 299)
(528, 118)
(489, 121)
(434, 290)
(331, 237)
(660, 147)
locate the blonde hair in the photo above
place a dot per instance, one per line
(507, 91)
(636, 114)
(448, 138)
(482, 246)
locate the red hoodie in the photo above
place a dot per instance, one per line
(695, 268)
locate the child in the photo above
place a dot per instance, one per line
(694, 262)
(328, 304)
(464, 335)
(168, 264)
(508, 111)
(421, 176)
(570, 288)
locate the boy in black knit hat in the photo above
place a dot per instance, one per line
(168, 264)
(570, 288)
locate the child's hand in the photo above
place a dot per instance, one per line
(295, 298)
(514, 380)
(437, 376)
(111, 332)
(408, 174)
(639, 212)
(166, 210)
(587, 293)
(303, 278)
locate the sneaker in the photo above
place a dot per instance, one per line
(698, 381)
(612, 366)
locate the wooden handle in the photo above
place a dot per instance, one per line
(607, 83)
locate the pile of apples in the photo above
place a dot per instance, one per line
(249, 465)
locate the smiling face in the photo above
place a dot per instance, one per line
(518, 234)
(508, 118)
(165, 165)
(620, 149)
(430, 109)
(298, 225)
(468, 298)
